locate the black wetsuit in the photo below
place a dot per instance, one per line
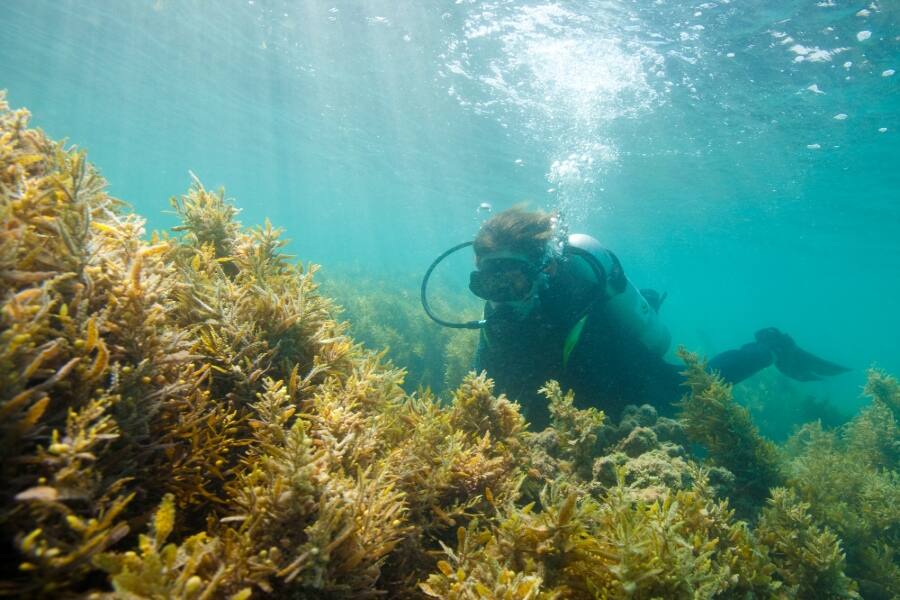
(607, 368)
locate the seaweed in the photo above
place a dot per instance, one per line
(84, 364)
(576, 431)
(202, 373)
(809, 558)
(724, 428)
(683, 545)
(186, 415)
(160, 570)
(388, 316)
(848, 478)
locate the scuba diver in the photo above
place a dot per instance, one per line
(560, 307)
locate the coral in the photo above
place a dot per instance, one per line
(640, 440)
(642, 454)
(647, 476)
(611, 435)
(647, 525)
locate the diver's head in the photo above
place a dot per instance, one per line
(515, 255)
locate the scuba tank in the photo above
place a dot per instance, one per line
(624, 303)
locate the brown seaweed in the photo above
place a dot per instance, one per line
(186, 416)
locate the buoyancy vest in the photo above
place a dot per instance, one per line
(622, 300)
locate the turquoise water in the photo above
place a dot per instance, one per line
(742, 156)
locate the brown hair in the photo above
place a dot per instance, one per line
(517, 230)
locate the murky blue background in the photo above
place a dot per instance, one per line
(743, 156)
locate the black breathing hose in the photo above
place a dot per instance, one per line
(466, 325)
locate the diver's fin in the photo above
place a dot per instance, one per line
(793, 361)
(822, 366)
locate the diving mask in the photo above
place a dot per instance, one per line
(504, 279)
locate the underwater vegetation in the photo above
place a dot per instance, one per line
(647, 521)
(388, 315)
(186, 415)
(723, 427)
(183, 416)
(850, 478)
(778, 406)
